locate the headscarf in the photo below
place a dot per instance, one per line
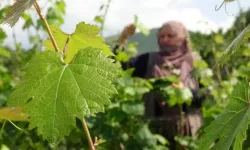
(181, 58)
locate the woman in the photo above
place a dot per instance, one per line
(174, 53)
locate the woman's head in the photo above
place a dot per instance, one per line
(172, 35)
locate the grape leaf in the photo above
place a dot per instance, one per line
(140, 26)
(84, 36)
(16, 11)
(98, 19)
(133, 108)
(53, 93)
(234, 46)
(4, 53)
(232, 124)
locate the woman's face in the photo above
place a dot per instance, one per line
(168, 38)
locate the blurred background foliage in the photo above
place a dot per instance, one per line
(122, 126)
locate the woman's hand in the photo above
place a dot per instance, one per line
(180, 85)
(128, 31)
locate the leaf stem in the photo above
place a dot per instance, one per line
(66, 44)
(38, 10)
(104, 17)
(240, 7)
(16, 126)
(182, 124)
(84, 124)
(1, 131)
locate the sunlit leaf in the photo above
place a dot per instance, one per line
(54, 93)
(84, 36)
(218, 39)
(231, 126)
(140, 26)
(98, 19)
(4, 53)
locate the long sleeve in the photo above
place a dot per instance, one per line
(138, 62)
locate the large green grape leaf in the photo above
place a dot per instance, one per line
(84, 36)
(232, 124)
(16, 11)
(54, 93)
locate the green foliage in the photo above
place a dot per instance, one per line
(16, 11)
(84, 36)
(186, 142)
(173, 96)
(54, 93)
(4, 53)
(55, 14)
(124, 56)
(2, 36)
(242, 38)
(178, 96)
(98, 19)
(122, 126)
(232, 124)
(140, 26)
(28, 21)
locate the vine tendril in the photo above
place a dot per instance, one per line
(216, 9)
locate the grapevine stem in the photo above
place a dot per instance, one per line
(16, 126)
(1, 131)
(104, 16)
(66, 44)
(84, 124)
(238, 2)
(182, 120)
(38, 10)
(226, 8)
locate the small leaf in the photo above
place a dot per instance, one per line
(84, 36)
(161, 139)
(13, 113)
(53, 93)
(4, 53)
(143, 29)
(230, 126)
(176, 96)
(145, 136)
(101, 7)
(2, 36)
(60, 5)
(28, 21)
(16, 11)
(135, 19)
(98, 19)
(218, 39)
(100, 141)
(234, 46)
(133, 108)
(140, 26)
